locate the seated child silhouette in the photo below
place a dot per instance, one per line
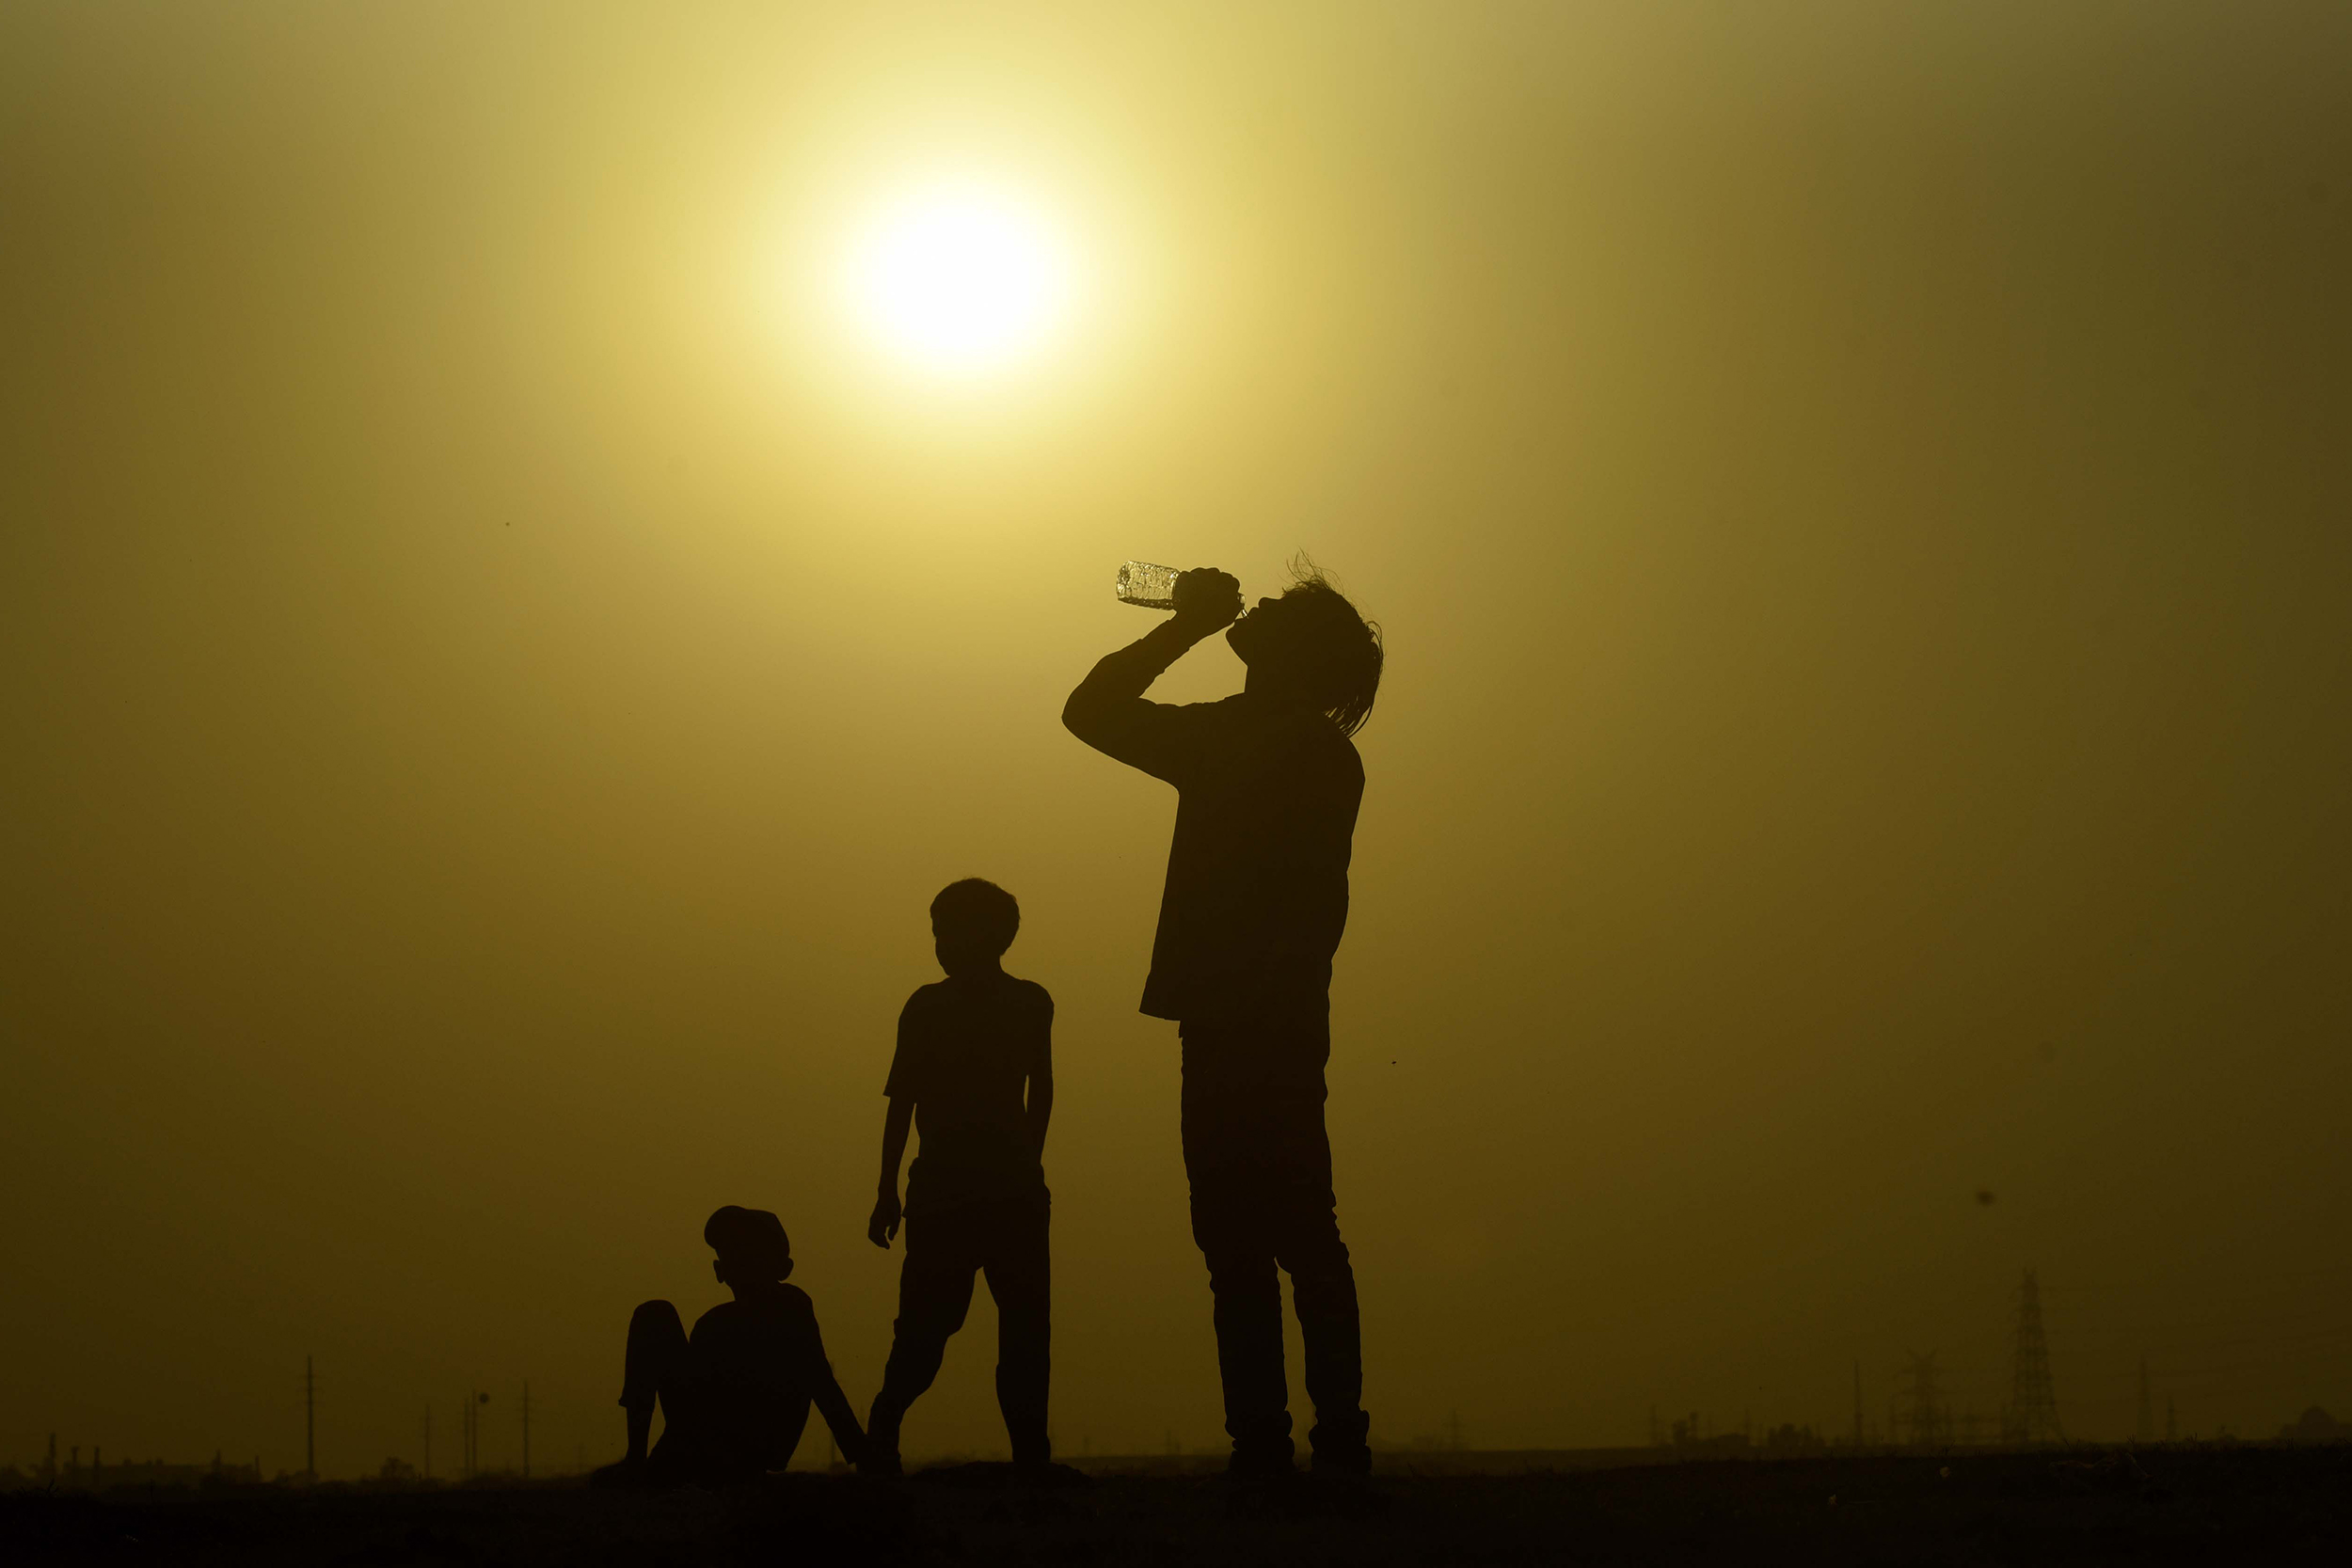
(968, 1046)
(735, 1394)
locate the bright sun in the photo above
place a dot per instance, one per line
(958, 278)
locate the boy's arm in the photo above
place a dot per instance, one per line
(1107, 710)
(639, 1430)
(833, 1406)
(1040, 1106)
(884, 1223)
(824, 1391)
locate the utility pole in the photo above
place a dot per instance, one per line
(475, 1400)
(526, 1429)
(309, 1422)
(2171, 1428)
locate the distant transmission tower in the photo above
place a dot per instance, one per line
(1925, 1413)
(2032, 1414)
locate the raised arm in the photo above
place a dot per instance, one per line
(1107, 710)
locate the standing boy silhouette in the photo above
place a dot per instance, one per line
(1268, 788)
(968, 1047)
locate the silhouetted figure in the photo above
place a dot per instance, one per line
(1268, 788)
(969, 1046)
(734, 1396)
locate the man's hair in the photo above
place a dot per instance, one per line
(750, 1243)
(1338, 652)
(977, 912)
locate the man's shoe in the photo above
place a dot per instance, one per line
(1340, 1445)
(1352, 1463)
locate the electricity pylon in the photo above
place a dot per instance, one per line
(2032, 1414)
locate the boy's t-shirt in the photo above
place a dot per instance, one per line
(968, 1049)
(753, 1368)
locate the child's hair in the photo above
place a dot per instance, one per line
(750, 1243)
(979, 912)
(1337, 651)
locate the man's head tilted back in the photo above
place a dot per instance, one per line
(750, 1244)
(1312, 642)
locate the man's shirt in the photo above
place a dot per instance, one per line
(969, 1050)
(1266, 796)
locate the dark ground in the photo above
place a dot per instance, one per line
(2168, 1505)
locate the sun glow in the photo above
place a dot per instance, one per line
(959, 279)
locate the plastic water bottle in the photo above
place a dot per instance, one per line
(1146, 586)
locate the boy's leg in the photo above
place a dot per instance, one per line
(934, 1294)
(655, 1356)
(652, 1369)
(1020, 1276)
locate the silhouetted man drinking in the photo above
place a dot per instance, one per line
(1268, 788)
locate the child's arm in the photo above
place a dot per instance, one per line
(1040, 1106)
(833, 1406)
(639, 1430)
(824, 1391)
(884, 1226)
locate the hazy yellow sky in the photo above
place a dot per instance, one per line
(492, 672)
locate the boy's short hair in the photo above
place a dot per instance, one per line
(1337, 651)
(977, 912)
(750, 1243)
